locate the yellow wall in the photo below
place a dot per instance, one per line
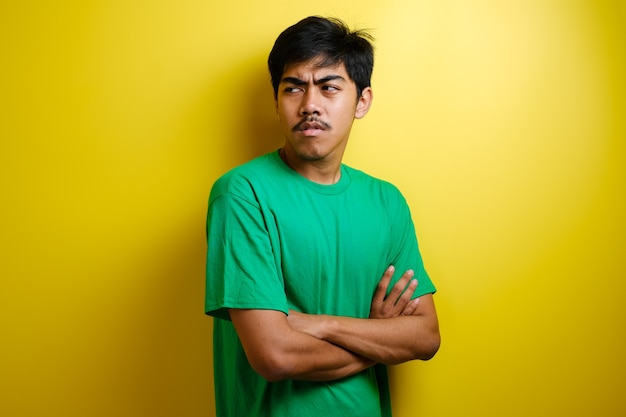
(502, 122)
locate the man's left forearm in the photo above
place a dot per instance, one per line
(389, 340)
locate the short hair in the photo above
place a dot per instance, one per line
(328, 39)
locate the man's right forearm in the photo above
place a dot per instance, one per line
(320, 362)
(278, 352)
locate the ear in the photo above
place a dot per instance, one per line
(364, 103)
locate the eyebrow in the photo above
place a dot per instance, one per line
(323, 80)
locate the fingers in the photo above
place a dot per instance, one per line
(377, 308)
(398, 301)
(411, 307)
(404, 299)
(398, 290)
(381, 288)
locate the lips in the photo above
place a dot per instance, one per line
(311, 125)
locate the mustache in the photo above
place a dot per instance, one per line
(310, 122)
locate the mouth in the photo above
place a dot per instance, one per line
(311, 127)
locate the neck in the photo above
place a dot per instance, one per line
(319, 171)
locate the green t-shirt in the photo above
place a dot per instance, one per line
(279, 241)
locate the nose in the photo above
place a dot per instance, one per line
(310, 103)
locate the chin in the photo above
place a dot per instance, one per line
(311, 157)
(309, 153)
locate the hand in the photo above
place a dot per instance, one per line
(398, 302)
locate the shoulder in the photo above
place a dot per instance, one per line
(242, 180)
(376, 187)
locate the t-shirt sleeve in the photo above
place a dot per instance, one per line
(406, 254)
(241, 270)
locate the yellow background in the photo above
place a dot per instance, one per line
(504, 123)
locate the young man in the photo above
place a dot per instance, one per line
(297, 243)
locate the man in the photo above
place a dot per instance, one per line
(297, 243)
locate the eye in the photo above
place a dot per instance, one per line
(291, 89)
(330, 88)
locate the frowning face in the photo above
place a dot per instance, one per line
(316, 107)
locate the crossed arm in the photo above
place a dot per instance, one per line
(322, 347)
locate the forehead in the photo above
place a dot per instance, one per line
(313, 69)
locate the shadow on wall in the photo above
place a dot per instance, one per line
(263, 131)
(240, 125)
(170, 357)
(245, 114)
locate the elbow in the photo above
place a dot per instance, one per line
(423, 349)
(429, 347)
(272, 366)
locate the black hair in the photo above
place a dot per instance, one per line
(331, 41)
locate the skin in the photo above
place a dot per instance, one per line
(326, 97)
(317, 107)
(283, 347)
(393, 334)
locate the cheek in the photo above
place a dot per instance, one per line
(285, 113)
(345, 116)
(281, 115)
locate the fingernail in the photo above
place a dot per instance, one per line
(391, 268)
